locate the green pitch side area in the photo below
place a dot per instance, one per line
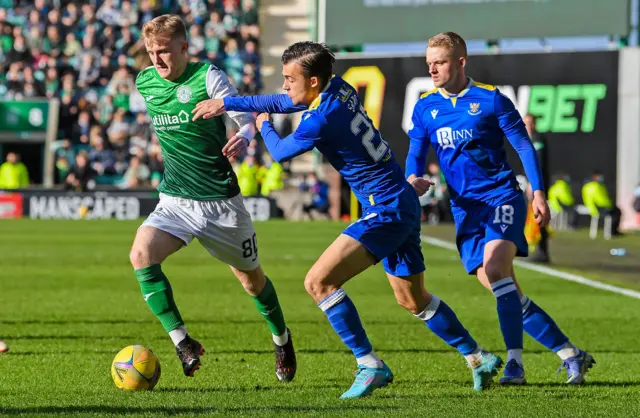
(70, 302)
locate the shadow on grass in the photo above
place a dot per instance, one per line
(258, 388)
(102, 409)
(268, 351)
(587, 385)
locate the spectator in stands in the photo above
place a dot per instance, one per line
(561, 199)
(65, 157)
(105, 71)
(136, 175)
(216, 26)
(156, 165)
(145, 13)
(81, 177)
(196, 42)
(319, 195)
(87, 55)
(595, 197)
(13, 173)
(140, 132)
(14, 81)
(81, 130)
(270, 175)
(128, 14)
(88, 72)
(102, 160)
(233, 61)
(108, 13)
(231, 18)
(51, 82)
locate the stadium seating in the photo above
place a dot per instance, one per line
(88, 56)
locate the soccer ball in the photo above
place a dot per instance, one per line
(135, 368)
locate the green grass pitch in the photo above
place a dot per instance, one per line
(70, 302)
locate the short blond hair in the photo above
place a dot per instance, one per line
(165, 26)
(449, 40)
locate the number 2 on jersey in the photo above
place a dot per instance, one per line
(376, 153)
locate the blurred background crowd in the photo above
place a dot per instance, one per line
(87, 54)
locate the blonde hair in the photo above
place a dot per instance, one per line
(449, 40)
(165, 26)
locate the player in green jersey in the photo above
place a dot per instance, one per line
(199, 194)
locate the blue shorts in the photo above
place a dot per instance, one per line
(475, 227)
(391, 233)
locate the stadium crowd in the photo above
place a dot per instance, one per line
(88, 54)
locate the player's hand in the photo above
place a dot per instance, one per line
(208, 109)
(235, 146)
(541, 211)
(421, 185)
(262, 118)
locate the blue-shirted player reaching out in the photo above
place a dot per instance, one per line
(389, 231)
(466, 122)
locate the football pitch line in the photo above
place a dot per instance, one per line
(545, 270)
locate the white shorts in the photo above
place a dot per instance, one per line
(223, 227)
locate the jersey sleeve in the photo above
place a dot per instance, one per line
(513, 128)
(304, 138)
(219, 87)
(269, 103)
(418, 144)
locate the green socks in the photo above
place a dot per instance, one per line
(269, 306)
(158, 294)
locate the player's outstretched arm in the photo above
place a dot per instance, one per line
(267, 103)
(513, 128)
(302, 140)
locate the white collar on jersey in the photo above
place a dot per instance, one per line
(462, 93)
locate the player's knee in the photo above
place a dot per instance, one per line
(139, 258)
(252, 281)
(495, 270)
(409, 304)
(314, 284)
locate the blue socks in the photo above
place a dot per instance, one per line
(441, 319)
(510, 316)
(541, 327)
(344, 319)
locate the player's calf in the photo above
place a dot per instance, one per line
(264, 296)
(498, 263)
(442, 321)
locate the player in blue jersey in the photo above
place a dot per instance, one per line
(466, 122)
(389, 231)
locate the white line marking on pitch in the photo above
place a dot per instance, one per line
(546, 270)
